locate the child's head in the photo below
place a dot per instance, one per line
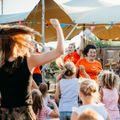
(90, 115)
(89, 88)
(43, 87)
(37, 100)
(108, 79)
(69, 69)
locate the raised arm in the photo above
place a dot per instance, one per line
(37, 60)
(57, 93)
(74, 116)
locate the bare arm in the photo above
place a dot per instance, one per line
(74, 116)
(82, 69)
(108, 117)
(37, 60)
(55, 112)
(57, 93)
(34, 85)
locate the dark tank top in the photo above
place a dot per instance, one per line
(15, 87)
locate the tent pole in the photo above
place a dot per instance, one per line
(2, 7)
(84, 41)
(71, 31)
(43, 34)
(43, 21)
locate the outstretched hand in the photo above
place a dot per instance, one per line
(55, 23)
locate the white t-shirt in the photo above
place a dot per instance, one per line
(99, 108)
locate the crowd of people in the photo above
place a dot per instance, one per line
(84, 91)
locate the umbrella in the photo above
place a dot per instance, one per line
(52, 10)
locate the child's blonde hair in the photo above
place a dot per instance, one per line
(108, 79)
(89, 88)
(69, 69)
(90, 115)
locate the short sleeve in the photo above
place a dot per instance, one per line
(74, 109)
(47, 110)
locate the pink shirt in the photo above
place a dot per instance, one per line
(44, 113)
(110, 99)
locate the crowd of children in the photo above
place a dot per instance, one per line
(80, 98)
(84, 91)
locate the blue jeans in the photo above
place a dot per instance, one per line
(65, 115)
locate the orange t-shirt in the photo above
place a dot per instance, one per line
(73, 57)
(91, 68)
(37, 69)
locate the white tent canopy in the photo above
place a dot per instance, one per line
(96, 13)
(104, 15)
(13, 17)
(92, 11)
(91, 3)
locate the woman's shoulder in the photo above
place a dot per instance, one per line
(83, 107)
(97, 62)
(81, 60)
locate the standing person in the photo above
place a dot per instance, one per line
(109, 93)
(88, 66)
(90, 99)
(16, 66)
(67, 91)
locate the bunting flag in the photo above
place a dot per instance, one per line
(108, 27)
(47, 24)
(63, 25)
(92, 27)
(78, 27)
(20, 22)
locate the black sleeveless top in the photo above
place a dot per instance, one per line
(15, 86)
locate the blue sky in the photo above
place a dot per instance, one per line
(18, 6)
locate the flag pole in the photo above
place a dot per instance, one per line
(43, 22)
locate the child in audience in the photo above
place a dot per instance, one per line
(67, 91)
(42, 111)
(90, 115)
(43, 87)
(109, 93)
(90, 99)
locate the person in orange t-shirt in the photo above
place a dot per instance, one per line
(72, 55)
(37, 73)
(88, 66)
